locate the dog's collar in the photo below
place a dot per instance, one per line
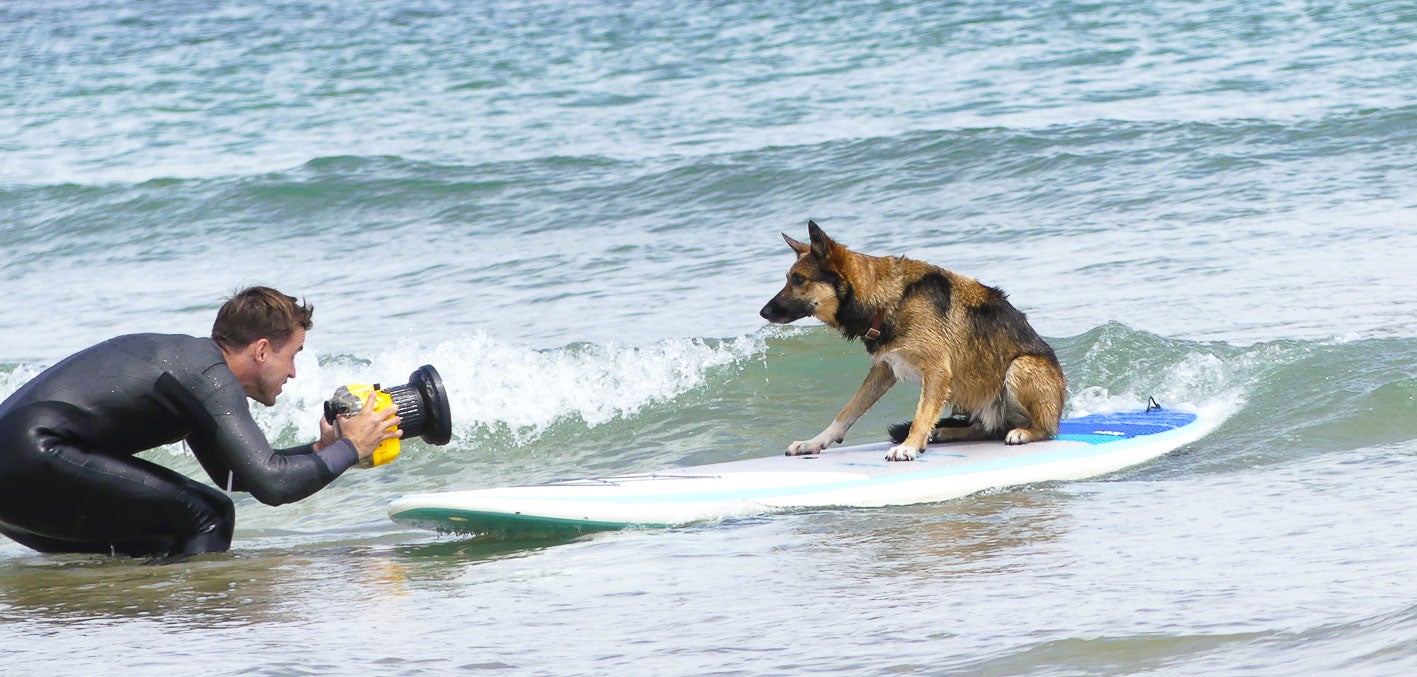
(875, 331)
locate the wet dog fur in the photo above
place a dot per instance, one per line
(963, 342)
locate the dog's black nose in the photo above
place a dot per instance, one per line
(770, 313)
(780, 311)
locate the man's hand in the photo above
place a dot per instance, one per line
(328, 434)
(366, 429)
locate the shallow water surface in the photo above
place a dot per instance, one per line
(573, 211)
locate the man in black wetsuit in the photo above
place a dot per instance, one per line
(69, 480)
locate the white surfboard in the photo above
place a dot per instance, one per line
(853, 476)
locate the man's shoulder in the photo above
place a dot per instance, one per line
(167, 346)
(157, 338)
(191, 359)
(194, 363)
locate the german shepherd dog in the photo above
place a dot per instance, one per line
(961, 341)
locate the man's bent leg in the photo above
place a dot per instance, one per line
(217, 519)
(57, 498)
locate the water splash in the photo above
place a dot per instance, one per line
(503, 388)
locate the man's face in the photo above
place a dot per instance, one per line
(276, 365)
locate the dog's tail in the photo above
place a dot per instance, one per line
(899, 431)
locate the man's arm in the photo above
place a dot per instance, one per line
(235, 453)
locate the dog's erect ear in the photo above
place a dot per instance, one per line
(822, 245)
(796, 246)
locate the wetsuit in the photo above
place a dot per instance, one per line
(69, 480)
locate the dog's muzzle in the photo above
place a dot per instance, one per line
(780, 311)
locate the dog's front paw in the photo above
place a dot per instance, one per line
(805, 447)
(832, 435)
(902, 453)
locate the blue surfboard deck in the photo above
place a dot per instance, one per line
(852, 476)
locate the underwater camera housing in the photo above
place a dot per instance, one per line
(422, 406)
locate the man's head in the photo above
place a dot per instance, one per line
(260, 330)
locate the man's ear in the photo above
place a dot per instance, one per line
(822, 245)
(259, 349)
(796, 246)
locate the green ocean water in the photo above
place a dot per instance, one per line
(573, 211)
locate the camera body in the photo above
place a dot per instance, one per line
(422, 406)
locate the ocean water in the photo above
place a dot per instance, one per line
(572, 210)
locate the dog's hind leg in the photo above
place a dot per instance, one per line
(1035, 387)
(878, 381)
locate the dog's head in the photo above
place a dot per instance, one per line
(813, 281)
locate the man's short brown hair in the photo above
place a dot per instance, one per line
(260, 313)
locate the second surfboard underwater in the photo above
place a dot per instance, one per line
(852, 476)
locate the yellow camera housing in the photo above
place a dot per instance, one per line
(388, 450)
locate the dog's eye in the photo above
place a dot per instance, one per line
(798, 279)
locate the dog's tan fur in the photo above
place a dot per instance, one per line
(962, 341)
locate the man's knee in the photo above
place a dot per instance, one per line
(214, 521)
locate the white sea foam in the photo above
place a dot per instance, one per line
(1199, 381)
(495, 385)
(14, 376)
